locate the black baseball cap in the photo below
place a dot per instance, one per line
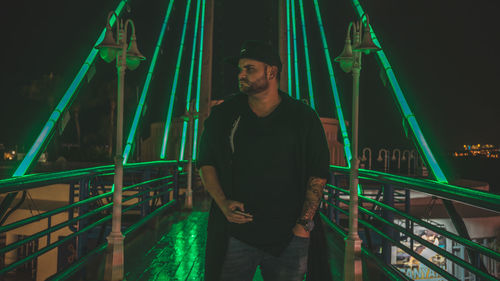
(257, 50)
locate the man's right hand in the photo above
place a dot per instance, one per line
(229, 206)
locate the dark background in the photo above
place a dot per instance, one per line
(443, 53)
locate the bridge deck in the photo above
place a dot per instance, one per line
(173, 248)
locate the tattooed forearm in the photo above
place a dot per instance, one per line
(313, 197)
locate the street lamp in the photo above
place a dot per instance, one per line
(369, 150)
(385, 159)
(127, 55)
(350, 60)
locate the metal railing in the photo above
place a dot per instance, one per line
(379, 214)
(149, 188)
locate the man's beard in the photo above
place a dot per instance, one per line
(251, 88)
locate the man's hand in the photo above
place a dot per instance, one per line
(229, 206)
(298, 230)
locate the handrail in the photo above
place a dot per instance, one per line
(435, 248)
(64, 208)
(145, 189)
(388, 270)
(66, 273)
(476, 198)
(33, 180)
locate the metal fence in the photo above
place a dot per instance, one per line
(149, 188)
(399, 243)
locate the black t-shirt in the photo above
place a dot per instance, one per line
(270, 159)
(265, 175)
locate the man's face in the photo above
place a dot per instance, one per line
(252, 77)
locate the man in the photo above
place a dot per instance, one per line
(264, 160)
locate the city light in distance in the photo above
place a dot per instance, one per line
(478, 150)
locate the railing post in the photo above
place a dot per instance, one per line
(389, 216)
(71, 211)
(407, 210)
(145, 208)
(330, 208)
(337, 202)
(166, 195)
(83, 209)
(176, 183)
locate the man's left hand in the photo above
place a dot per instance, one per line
(298, 230)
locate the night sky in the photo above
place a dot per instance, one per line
(444, 56)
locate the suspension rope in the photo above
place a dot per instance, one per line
(198, 84)
(174, 86)
(335, 92)
(140, 107)
(295, 57)
(289, 59)
(403, 105)
(190, 83)
(306, 54)
(48, 129)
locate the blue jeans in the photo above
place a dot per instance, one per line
(242, 260)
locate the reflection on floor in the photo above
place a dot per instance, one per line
(173, 248)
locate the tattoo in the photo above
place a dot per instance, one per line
(314, 193)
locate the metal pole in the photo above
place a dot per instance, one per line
(189, 191)
(206, 78)
(389, 216)
(282, 42)
(352, 261)
(114, 256)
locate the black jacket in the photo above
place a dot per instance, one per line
(215, 150)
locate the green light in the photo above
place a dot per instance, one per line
(405, 109)
(44, 136)
(195, 138)
(142, 101)
(335, 92)
(295, 58)
(289, 59)
(183, 139)
(190, 83)
(306, 53)
(174, 86)
(198, 83)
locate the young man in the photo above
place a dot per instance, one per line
(264, 159)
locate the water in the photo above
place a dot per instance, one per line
(480, 169)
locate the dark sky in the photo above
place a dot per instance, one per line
(443, 53)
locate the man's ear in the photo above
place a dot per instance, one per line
(273, 72)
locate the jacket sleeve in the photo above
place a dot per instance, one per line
(317, 152)
(207, 145)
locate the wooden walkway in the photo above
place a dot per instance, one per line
(173, 248)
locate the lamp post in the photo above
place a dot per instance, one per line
(399, 157)
(127, 56)
(190, 116)
(385, 159)
(369, 150)
(350, 60)
(406, 151)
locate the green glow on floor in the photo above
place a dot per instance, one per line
(335, 92)
(44, 136)
(174, 86)
(404, 107)
(295, 57)
(289, 59)
(190, 83)
(144, 94)
(306, 53)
